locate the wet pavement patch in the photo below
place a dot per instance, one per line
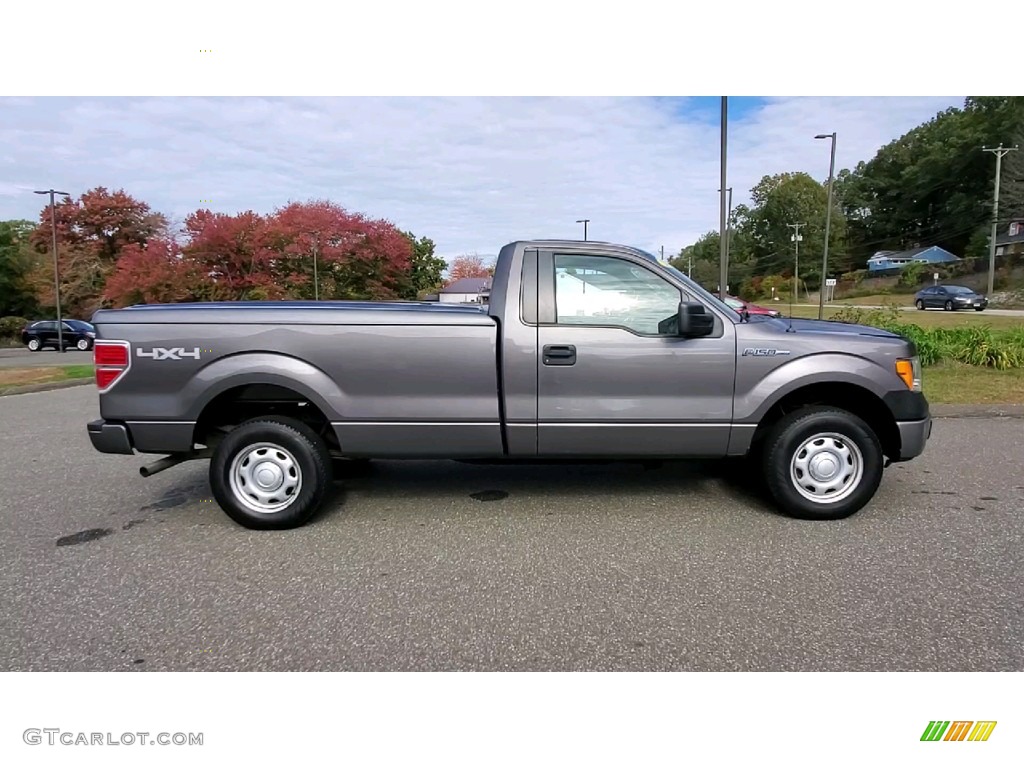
(83, 536)
(131, 524)
(489, 495)
(166, 502)
(990, 498)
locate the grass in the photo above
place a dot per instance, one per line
(956, 383)
(932, 318)
(19, 377)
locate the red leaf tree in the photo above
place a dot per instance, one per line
(92, 233)
(468, 266)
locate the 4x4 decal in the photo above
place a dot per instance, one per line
(162, 353)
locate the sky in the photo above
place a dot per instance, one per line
(470, 173)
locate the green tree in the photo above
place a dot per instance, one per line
(16, 263)
(427, 269)
(793, 198)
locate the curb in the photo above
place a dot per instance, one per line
(29, 388)
(1005, 410)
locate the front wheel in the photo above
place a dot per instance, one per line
(822, 463)
(919, 304)
(271, 473)
(34, 345)
(949, 306)
(83, 345)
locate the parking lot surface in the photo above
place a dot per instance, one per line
(444, 566)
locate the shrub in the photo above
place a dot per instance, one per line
(10, 326)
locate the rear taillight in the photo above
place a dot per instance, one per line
(112, 359)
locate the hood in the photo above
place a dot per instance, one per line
(800, 325)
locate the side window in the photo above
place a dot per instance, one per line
(606, 291)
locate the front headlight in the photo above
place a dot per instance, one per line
(909, 370)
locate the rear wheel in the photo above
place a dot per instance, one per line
(822, 463)
(271, 473)
(978, 309)
(949, 306)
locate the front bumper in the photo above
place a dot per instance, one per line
(913, 421)
(110, 437)
(913, 437)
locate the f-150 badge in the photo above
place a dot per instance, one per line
(759, 352)
(162, 353)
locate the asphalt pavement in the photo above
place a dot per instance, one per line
(445, 566)
(20, 357)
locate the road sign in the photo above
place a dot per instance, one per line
(830, 281)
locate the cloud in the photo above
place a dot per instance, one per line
(471, 173)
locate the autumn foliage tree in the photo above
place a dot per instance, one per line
(468, 266)
(252, 257)
(92, 233)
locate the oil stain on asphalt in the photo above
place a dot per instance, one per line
(489, 495)
(83, 536)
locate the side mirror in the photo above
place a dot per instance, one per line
(694, 320)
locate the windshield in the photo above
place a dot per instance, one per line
(81, 325)
(954, 289)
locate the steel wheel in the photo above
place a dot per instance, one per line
(826, 468)
(265, 478)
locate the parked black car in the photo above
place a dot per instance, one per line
(41, 334)
(950, 297)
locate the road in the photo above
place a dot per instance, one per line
(20, 357)
(547, 568)
(908, 308)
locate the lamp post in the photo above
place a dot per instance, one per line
(584, 222)
(828, 223)
(723, 255)
(728, 234)
(56, 266)
(316, 274)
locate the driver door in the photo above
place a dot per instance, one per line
(610, 381)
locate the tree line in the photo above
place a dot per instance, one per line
(114, 250)
(931, 186)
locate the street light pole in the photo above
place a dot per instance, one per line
(56, 266)
(723, 245)
(584, 222)
(828, 223)
(796, 238)
(728, 235)
(998, 152)
(316, 273)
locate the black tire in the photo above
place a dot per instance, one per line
(83, 345)
(38, 345)
(978, 309)
(307, 453)
(919, 304)
(789, 434)
(949, 306)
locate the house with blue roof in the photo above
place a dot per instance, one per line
(893, 261)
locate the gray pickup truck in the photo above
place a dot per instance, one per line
(585, 351)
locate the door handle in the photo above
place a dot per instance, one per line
(559, 354)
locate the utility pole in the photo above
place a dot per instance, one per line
(722, 236)
(584, 222)
(796, 237)
(998, 152)
(56, 265)
(828, 224)
(663, 254)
